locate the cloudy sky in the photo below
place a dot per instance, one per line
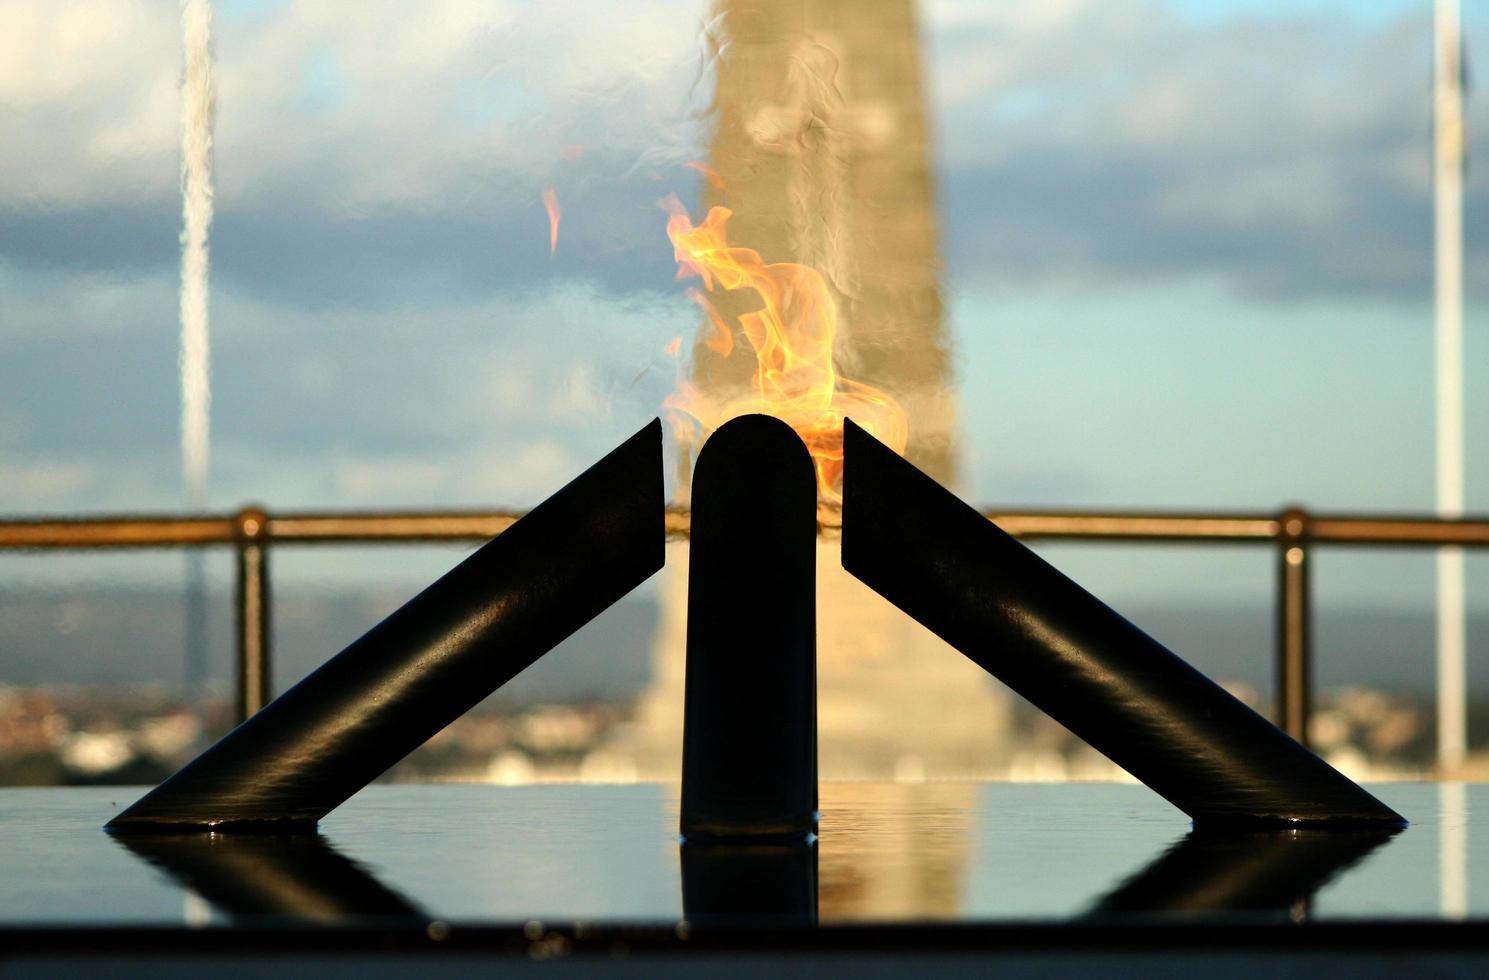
(1186, 254)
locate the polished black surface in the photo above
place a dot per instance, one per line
(749, 759)
(769, 885)
(432, 660)
(887, 853)
(1072, 656)
(296, 876)
(1276, 871)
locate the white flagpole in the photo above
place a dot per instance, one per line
(198, 104)
(1448, 289)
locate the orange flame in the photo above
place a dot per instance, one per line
(791, 335)
(721, 340)
(550, 202)
(709, 173)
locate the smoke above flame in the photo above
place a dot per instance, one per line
(791, 338)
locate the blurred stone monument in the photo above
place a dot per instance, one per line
(822, 152)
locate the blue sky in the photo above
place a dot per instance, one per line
(1377, 12)
(1185, 249)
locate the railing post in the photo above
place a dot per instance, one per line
(1294, 679)
(252, 611)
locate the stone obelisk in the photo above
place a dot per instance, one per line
(821, 150)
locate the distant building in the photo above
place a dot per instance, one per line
(822, 149)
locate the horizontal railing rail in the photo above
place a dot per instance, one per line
(411, 527)
(252, 531)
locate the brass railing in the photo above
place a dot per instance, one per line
(251, 532)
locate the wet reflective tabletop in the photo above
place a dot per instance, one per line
(936, 852)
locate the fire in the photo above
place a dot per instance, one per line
(550, 203)
(709, 173)
(791, 336)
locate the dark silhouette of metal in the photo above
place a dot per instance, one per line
(1076, 659)
(251, 613)
(1294, 643)
(428, 663)
(296, 876)
(749, 885)
(749, 761)
(1272, 871)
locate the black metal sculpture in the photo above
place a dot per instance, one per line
(750, 758)
(428, 663)
(749, 761)
(1053, 642)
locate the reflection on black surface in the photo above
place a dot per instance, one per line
(1277, 871)
(749, 884)
(293, 876)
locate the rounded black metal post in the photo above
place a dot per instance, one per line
(1076, 659)
(749, 766)
(428, 663)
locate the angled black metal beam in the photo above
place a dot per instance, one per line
(1021, 620)
(749, 763)
(428, 663)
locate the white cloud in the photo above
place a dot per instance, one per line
(384, 478)
(507, 468)
(88, 93)
(55, 304)
(87, 97)
(350, 134)
(1139, 78)
(1282, 148)
(512, 392)
(37, 482)
(51, 50)
(493, 401)
(577, 396)
(522, 474)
